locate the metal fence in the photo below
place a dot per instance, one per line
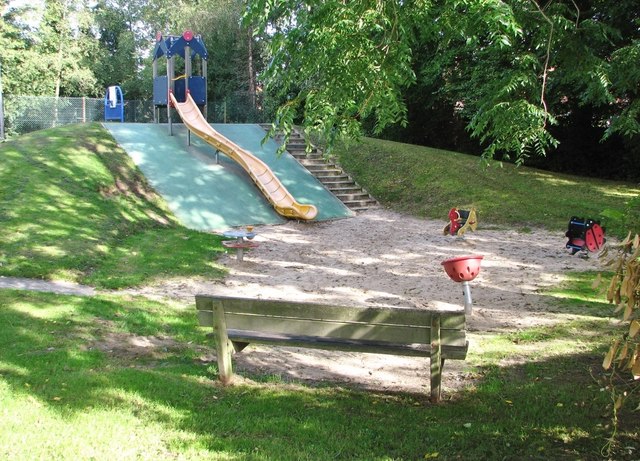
(29, 113)
(23, 114)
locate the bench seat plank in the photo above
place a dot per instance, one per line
(317, 311)
(333, 329)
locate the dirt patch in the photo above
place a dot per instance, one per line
(385, 258)
(130, 347)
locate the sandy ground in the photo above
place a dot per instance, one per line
(385, 258)
(376, 258)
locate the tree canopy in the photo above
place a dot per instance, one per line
(49, 57)
(514, 79)
(77, 47)
(511, 70)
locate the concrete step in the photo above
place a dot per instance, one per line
(323, 170)
(348, 188)
(361, 205)
(336, 181)
(355, 197)
(296, 144)
(331, 173)
(315, 161)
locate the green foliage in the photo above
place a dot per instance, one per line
(356, 58)
(510, 70)
(50, 60)
(22, 69)
(123, 38)
(55, 58)
(518, 127)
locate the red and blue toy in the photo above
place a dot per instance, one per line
(584, 235)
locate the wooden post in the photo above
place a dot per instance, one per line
(156, 118)
(436, 358)
(206, 97)
(170, 76)
(224, 348)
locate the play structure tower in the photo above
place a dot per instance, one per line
(188, 46)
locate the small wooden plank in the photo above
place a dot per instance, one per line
(204, 303)
(340, 329)
(205, 318)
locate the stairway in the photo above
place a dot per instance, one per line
(329, 174)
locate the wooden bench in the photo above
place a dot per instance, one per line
(237, 322)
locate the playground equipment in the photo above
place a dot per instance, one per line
(460, 221)
(464, 269)
(188, 95)
(260, 173)
(187, 46)
(114, 104)
(241, 240)
(584, 235)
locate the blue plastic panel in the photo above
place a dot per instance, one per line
(198, 89)
(160, 96)
(178, 90)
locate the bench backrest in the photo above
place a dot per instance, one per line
(381, 324)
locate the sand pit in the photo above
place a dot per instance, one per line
(385, 258)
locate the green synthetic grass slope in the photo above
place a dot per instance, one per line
(75, 207)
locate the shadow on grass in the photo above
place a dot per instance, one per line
(52, 350)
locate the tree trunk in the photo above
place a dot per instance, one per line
(252, 74)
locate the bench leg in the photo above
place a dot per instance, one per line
(436, 359)
(224, 347)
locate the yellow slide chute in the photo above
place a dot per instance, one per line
(265, 179)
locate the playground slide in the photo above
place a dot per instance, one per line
(265, 179)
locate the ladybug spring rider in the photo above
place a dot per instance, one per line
(584, 235)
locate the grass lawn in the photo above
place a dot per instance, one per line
(129, 378)
(429, 182)
(122, 377)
